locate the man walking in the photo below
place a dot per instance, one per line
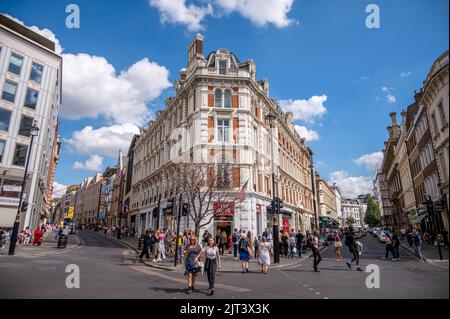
(300, 238)
(417, 239)
(147, 244)
(350, 242)
(315, 250)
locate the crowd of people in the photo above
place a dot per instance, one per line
(27, 237)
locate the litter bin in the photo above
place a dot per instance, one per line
(62, 241)
(141, 242)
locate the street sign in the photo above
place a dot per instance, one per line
(70, 212)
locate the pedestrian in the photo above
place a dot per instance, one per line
(265, 251)
(350, 242)
(146, 246)
(245, 251)
(300, 242)
(118, 233)
(409, 238)
(315, 245)
(37, 240)
(418, 242)
(156, 246)
(162, 245)
(191, 257)
(292, 249)
(2, 238)
(285, 243)
(256, 247)
(27, 236)
(396, 244)
(338, 246)
(235, 241)
(220, 242)
(205, 237)
(212, 263)
(389, 247)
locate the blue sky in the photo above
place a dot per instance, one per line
(318, 55)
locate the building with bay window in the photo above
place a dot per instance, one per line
(219, 111)
(30, 93)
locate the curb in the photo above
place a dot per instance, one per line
(413, 252)
(181, 270)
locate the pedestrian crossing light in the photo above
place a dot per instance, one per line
(170, 206)
(24, 207)
(280, 205)
(185, 209)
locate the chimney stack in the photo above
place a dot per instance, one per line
(196, 48)
(393, 116)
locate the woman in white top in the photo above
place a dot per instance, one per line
(264, 255)
(212, 262)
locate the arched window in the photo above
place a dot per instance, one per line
(218, 98)
(227, 100)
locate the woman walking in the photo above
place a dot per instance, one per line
(389, 248)
(162, 245)
(212, 263)
(245, 251)
(191, 255)
(265, 251)
(338, 246)
(156, 246)
(292, 245)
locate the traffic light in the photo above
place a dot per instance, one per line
(269, 209)
(24, 207)
(185, 209)
(280, 205)
(170, 206)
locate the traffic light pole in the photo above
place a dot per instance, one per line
(276, 252)
(436, 223)
(13, 239)
(178, 230)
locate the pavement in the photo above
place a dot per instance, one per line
(229, 264)
(49, 246)
(429, 252)
(108, 269)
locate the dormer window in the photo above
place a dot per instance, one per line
(222, 67)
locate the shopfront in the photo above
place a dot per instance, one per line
(223, 217)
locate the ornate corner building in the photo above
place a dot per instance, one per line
(219, 110)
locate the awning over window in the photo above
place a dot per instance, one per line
(420, 219)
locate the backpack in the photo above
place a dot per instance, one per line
(243, 244)
(234, 238)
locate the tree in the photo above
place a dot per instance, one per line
(208, 189)
(351, 221)
(372, 217)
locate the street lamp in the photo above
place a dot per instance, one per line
(276, 252)
(34, 131)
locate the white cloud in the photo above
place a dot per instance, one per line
(351, 186)
(371, 161)
(405, 74)
(58, 190)
(391, 98)
(107, 140)
(260, 12)
(309, 135)
(177, 11)
(92, 88)
(93, 163)
(305, 110)
(46, 33)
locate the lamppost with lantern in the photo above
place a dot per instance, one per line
(34, 131)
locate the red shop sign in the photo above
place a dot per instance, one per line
(224, 209)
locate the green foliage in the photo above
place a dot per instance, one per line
(373, 217)
(351, 221)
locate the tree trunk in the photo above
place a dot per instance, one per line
(197, 230)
